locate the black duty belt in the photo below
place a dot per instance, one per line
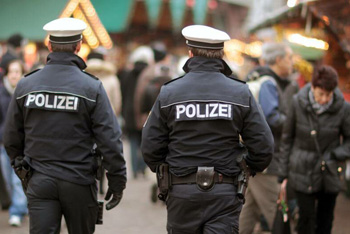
(191, 179)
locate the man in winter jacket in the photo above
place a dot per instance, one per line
(263, 189)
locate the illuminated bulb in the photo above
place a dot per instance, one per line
(308, 42)
(291, 3)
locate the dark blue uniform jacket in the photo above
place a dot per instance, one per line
(55, 117)
(197, 120)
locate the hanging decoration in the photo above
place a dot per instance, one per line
(153, 9)
(177, 13)
(200, 11)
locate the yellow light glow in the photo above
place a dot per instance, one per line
(292, 3)
(30, 48)
(253, 49)
(84, 51)
(308, 41)
(95, 34)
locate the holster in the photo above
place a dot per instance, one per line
(205, 178)
(163, 181)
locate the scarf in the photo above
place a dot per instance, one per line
(318, 108)
(8, 86)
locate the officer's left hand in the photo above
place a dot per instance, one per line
(117, 197)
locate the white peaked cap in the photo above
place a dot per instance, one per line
(205, 37)
(65, 30)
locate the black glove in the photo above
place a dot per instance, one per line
(117, 197)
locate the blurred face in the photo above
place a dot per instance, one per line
(14, 73)
(285, 64)
(322, 96)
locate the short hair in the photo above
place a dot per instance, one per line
(68, 47)
(325, 77)
(7, 68)
(208, 53)
(15, 40)
(271, 51)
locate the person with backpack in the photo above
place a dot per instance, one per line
(263, 189)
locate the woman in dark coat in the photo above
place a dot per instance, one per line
(316, 136)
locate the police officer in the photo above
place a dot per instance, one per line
(195, 127)
(54, 119)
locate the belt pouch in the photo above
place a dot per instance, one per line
(205, 178)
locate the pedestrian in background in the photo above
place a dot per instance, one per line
(106, 72)
(18, 209)
(316, 136)
(195, 127)
(140, 58)
(14, 50)
(263, 189)
(55, 117)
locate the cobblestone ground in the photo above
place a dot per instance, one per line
(137, 214)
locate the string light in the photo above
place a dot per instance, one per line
(291, 3)
(95, 34)
(308, 41)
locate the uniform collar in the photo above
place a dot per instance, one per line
(198, 63)
(66, 58)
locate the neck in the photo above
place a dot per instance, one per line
(276, 70)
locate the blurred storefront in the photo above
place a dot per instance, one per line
(318, 31)
(126, 23)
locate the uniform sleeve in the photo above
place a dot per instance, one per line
(14, 129)
(155, 138)
(287, 140)
(107, 135)
(268, 99)
(342, 152)
(257, 137)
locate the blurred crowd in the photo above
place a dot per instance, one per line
(132, 90)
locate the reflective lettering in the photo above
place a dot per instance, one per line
(223, 110)
(180, 109)
(203, 111)
(60, 104)
(47, 105)
(193, 112)
(53, 101)
(212, 113)
(30, 98)
(70, 103)
(199, 115)
(40, 100)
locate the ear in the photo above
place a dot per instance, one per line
(190, 54)
(49, 46)
(78, 47)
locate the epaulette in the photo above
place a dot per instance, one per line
(236, 79)
(91, 75)
(173, 80)
(28, 74)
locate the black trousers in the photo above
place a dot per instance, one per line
(50, 198)
(191, 211)
(316, 212)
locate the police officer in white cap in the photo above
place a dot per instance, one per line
(55, 117)
(194, 128)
